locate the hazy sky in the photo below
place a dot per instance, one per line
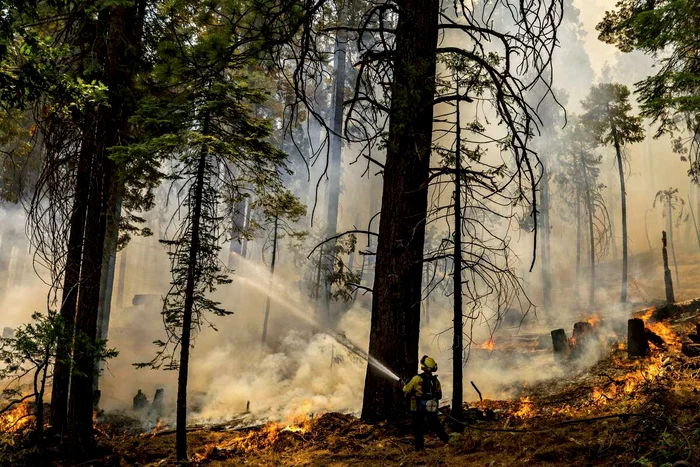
(592, 12)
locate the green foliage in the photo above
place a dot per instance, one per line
(673, 204)
(607, 115)
(30, 354)
(667, 30)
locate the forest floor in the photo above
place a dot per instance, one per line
(620, 411)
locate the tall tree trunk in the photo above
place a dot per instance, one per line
(119, 29)
(577, 281)
(668, 282)
(545, 243)
(81, 386)
(395, 323)
(272, 275)
(336, 148)
(71, 278)
(122, 278)
(458, 338)
(623, 207)
(185, 341)
(695, 223)
(591, 234)
(670, 239)
(108, 266)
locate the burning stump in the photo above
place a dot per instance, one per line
(637, 344)
(584, 337)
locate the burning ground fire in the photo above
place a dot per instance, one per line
(297, 423)
(16, 419)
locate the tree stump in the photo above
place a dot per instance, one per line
(637, 345)
(560, 344)
(584, 336)
(157, 404)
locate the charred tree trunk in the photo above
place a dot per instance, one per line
(577, 281)
(108, 266)
(668, 282)
(119, 29)
(71, 279)
(623, 208)
(458, 338)
(81, 385)
(670, 239)
(395, 324)
(188, 308)
(560, 344)
(591, 234)
(336, 148)
(637, 345)
(546, 257)
(272, 275)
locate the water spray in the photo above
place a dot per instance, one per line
(287, 302)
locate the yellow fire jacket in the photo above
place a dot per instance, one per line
(414, 389)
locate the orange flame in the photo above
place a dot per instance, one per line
(16, 419)
(527, 408)
(488, 345)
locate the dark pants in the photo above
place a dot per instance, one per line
(419, 418)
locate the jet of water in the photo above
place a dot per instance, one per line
(287, 298)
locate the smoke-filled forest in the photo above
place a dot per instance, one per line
(349, 232)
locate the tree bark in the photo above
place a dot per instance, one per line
(395, 323)
(185, 341)
(81, 386)
(71, 278)
(336, 147)
(668, 282)
(272, 275)
(545, 243)
(623, 208)
(591, 234)
(577, 212)
(670, 238)
(458, 338)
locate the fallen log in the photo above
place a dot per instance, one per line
(637, 344)
(654, 338)
(691, 350)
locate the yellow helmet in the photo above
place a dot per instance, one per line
(429, 363)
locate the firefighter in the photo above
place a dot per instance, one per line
(425, 393)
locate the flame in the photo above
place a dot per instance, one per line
(160, 426)
(488, 345)
(593, 320)
(16, 419)
(527, 408)
(297, 421)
